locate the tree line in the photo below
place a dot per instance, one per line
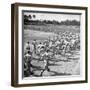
(30, 20)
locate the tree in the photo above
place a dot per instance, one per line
(30, 16)
(34, 16)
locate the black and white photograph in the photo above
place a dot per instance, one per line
(51, 44)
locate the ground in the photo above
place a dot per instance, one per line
(63, 66)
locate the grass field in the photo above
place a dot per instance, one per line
(53, 28)
(42, 32)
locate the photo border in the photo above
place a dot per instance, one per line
(15, 48)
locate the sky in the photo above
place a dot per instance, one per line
(58, 17)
